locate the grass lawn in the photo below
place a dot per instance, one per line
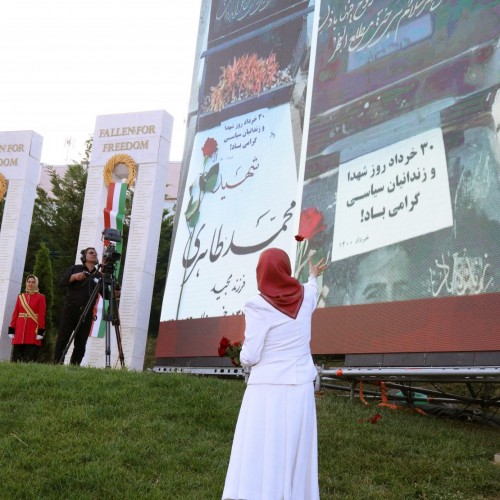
(70, 432)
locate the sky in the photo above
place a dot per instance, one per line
(64, 62)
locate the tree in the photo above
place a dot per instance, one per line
(2, 203)
(69, 193)
(57, 219)
(161, 272)
(42, 225)
(43, 271)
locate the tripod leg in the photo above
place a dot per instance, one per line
(107, 316)
(108, 346)
(116, 323)
(86, 310)
(113, 309)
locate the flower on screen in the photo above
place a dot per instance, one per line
(311, 223)
(209, 148)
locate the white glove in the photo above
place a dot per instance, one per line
(39, 337)
(11, 335)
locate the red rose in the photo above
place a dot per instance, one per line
(299, 237)
(209, 148)
(311, 223)
(224, 342)
(222, 352)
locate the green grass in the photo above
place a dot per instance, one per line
(70, 432)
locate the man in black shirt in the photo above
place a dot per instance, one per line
(79, 281)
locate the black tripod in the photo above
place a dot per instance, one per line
(107, 286)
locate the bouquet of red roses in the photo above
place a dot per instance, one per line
(230, 350)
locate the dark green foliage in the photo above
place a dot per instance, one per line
(56, 224)
(43, 270)
(2, 205)
(161, 272)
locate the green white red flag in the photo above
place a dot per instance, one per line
(114, 213)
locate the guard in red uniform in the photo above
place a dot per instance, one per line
(27, 327)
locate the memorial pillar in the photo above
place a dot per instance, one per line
(144, 139)
(20, 171)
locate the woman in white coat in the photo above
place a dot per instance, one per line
(274, 452)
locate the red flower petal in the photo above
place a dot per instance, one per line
(375, 418)
(210, 147)
(311, 223)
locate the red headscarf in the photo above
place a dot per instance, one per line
(276, 283)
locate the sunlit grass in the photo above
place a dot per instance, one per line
(69, 432)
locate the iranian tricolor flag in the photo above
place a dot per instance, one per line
(114, 212)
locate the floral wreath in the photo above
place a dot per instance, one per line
(113, 162)
(3, 186)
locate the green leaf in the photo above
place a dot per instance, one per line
(208, 181)
(192, 212)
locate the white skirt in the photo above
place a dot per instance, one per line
(275, 452)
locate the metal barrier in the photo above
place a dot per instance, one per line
(225, 371)
(422, 374)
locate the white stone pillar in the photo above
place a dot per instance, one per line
(20, 164)
(145, 137)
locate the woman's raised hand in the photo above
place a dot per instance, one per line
(318, 268)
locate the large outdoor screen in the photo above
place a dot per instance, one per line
(370, 128)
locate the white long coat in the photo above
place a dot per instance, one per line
(274, 454)
(277, 346)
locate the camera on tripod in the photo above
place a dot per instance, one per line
(104, 284)
(110, 255)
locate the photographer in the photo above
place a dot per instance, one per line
(79, 281)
